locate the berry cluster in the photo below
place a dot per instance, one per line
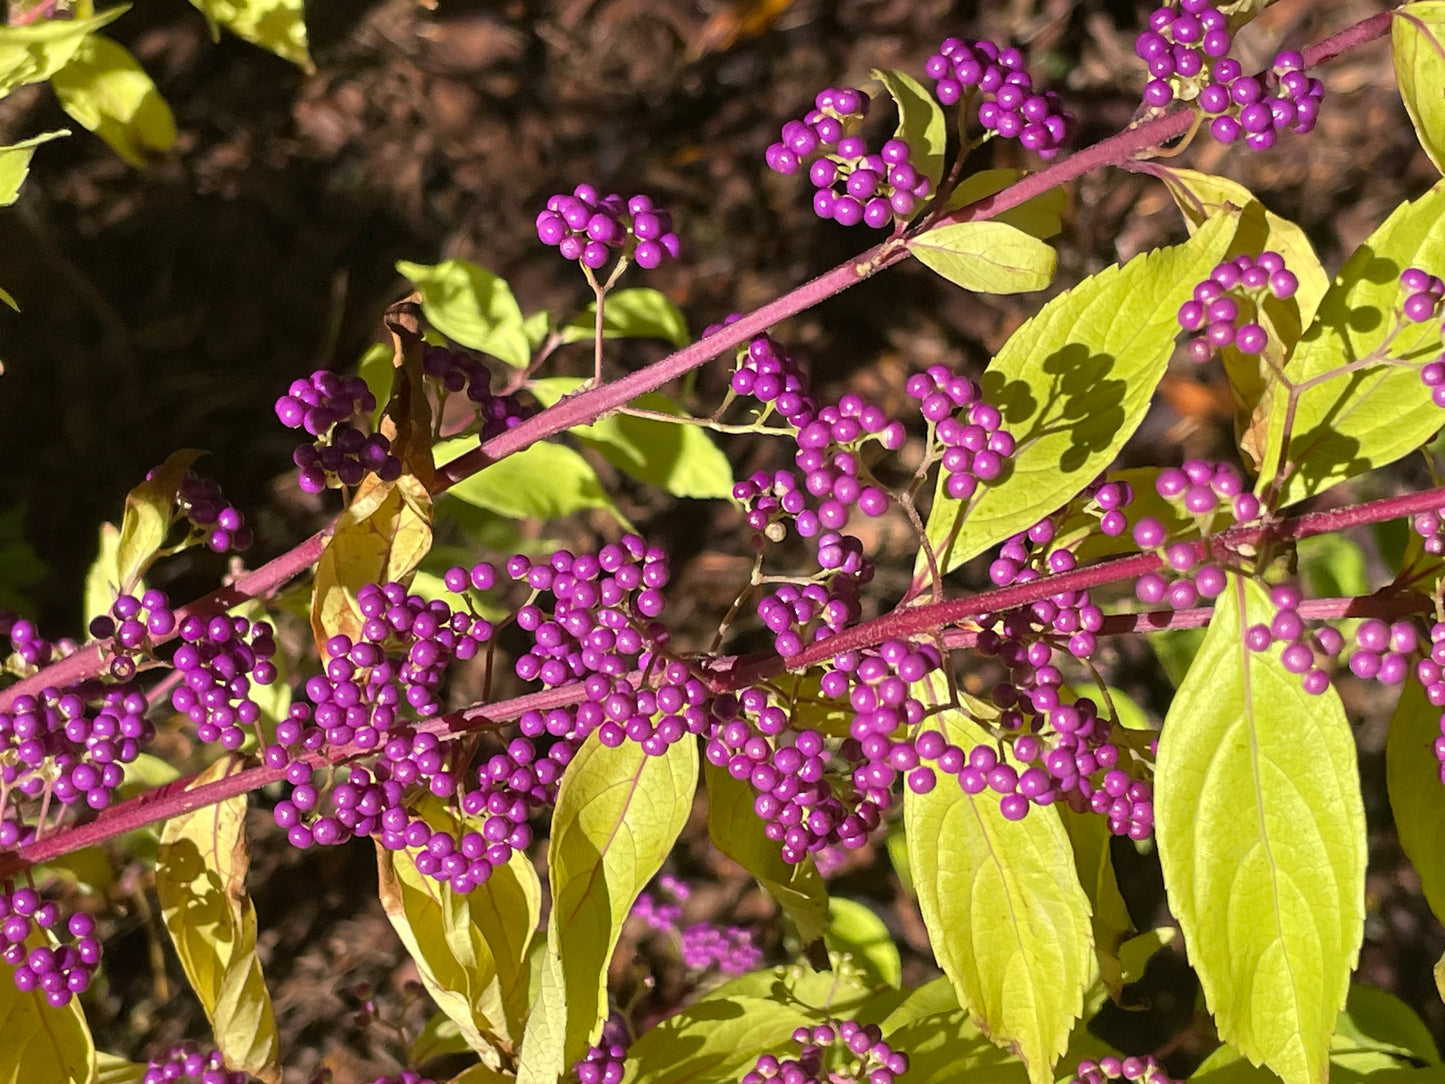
(57, 971)
(1008, 104)
(134, 626)
(28, 649)
(852, 184)
(1257, 108)
(1383, 652)
(187, 1063)
(730, 949)
(455, 372)
(1307, 654)
(218, 661)
(336, 410)
(590, 228)
(1430, 526)
(1424, 294)
(1136, 1070)
(1430, 671)
(976, 449)
(202, 504)
(1182, 39)
(839, 1050)
(1224, 310)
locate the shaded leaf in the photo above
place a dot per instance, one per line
(987, 257)
(1041, 216)
(1352, 422)
(944, 1043)
(853, 928)
(1089, 836)
(278, 26)
(107, 91)
(921, 123)
(201, 884)
(32, 54)
(1417, 33)
(14, 167)
(542, 481)
(481, 1074)
(618, 814)
(147, 520)
(1261, 835)
(736, 831)
(1413, 777)
(1073, 384)
(636, 313)
(103, 577)
(114, 1069)
(472, 307)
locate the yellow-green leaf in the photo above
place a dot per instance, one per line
(114, 1069)
(618, 814)
(944, 1043)
(636, 313)
(989, 257)
(1261, 833)
(382, 536)
(1007, 918)
(921, 123)
(1089, 836)
(736, 831)
(42, 1042)
(1073, 384)
(107, 91)
(1354, 421)
(1042, 216)
(147, 520)
(542, 481)
(481, 1074)
(853, 928)
(1417, 797)
(276, 25)
(14, 166)
(103, 576)
(201, 883)
(32, 54)
(1417, 32)
(472, 307)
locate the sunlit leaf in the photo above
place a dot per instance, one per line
(42, 1042)
(114, 1069)
(736, 831)
(147, 520)
(921, 123)
(1413, 776)
(481, 1074)
(989, 257)
(14, 167)
(1041, 216)
(1073, 384)
(1261, 835)
(201, 883)
(1417, 32)
(1007, 918)
(103, 577)
(618, 814)
(32, 54)
(637, 313)
(276, 25)
(472, 307)
(542, 481)
(944, 1043)
(1352, 422)
(855, 929)
(382, 536)
(107, 91)
(679, 458)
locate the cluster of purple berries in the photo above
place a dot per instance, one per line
(1430, 671)
(838, 1050)
(1430, 526)
(603, 1062)
(1382, 651)
(28, 648)
(1136, 1070)
(1008, 104)
(1258, 108)
(134, 626)
(1425, 293)
(336, 410)
(1304, 652)
(590, 228)
(221, 524)
(218, 661)
(456, 371)
(730, 949)
(187, 1063)
(852, 184)
(59, 972)
(976, 447)
(1182, 40)
(1224, 310)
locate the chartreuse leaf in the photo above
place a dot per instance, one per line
(1351, 422)
(472, 307)
(1007, 918)
(275, 25)
(987, 257)
(680, 458)
(32, 54)
(636, 313)
(14, 166)
(1089, 836)
(944, 1043)
(471, 950)
(618, 814)
(1041, 216)
(1261, 833)
(103, 576)
(542, 481)
(439, 1036)
(736, 831)
(41, 1042)
(1252, 382)
(1413, 777)
(717, 1038)
(853, 928)
(105, 89)
(201, 883)
(114, 1069)
(920, 123)
(1073, 384)
(382, 535)
(481, 1074)
(147, 519)
(1417, 33)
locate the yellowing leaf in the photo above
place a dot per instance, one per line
(989, 257)
(201, 883)
(32, 54)
(275, 25)
(1354, 421)
(736, 831)
(472, 307)
(1261, 833)
(1007, 918)
(107, 91)
(1417, 32)
(618, 814)
(542, 481)
(855, 929)
(382, 536)
(103, 576)
(14, 167)
(147, 520)
(1413, 776)
(41, 1042)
